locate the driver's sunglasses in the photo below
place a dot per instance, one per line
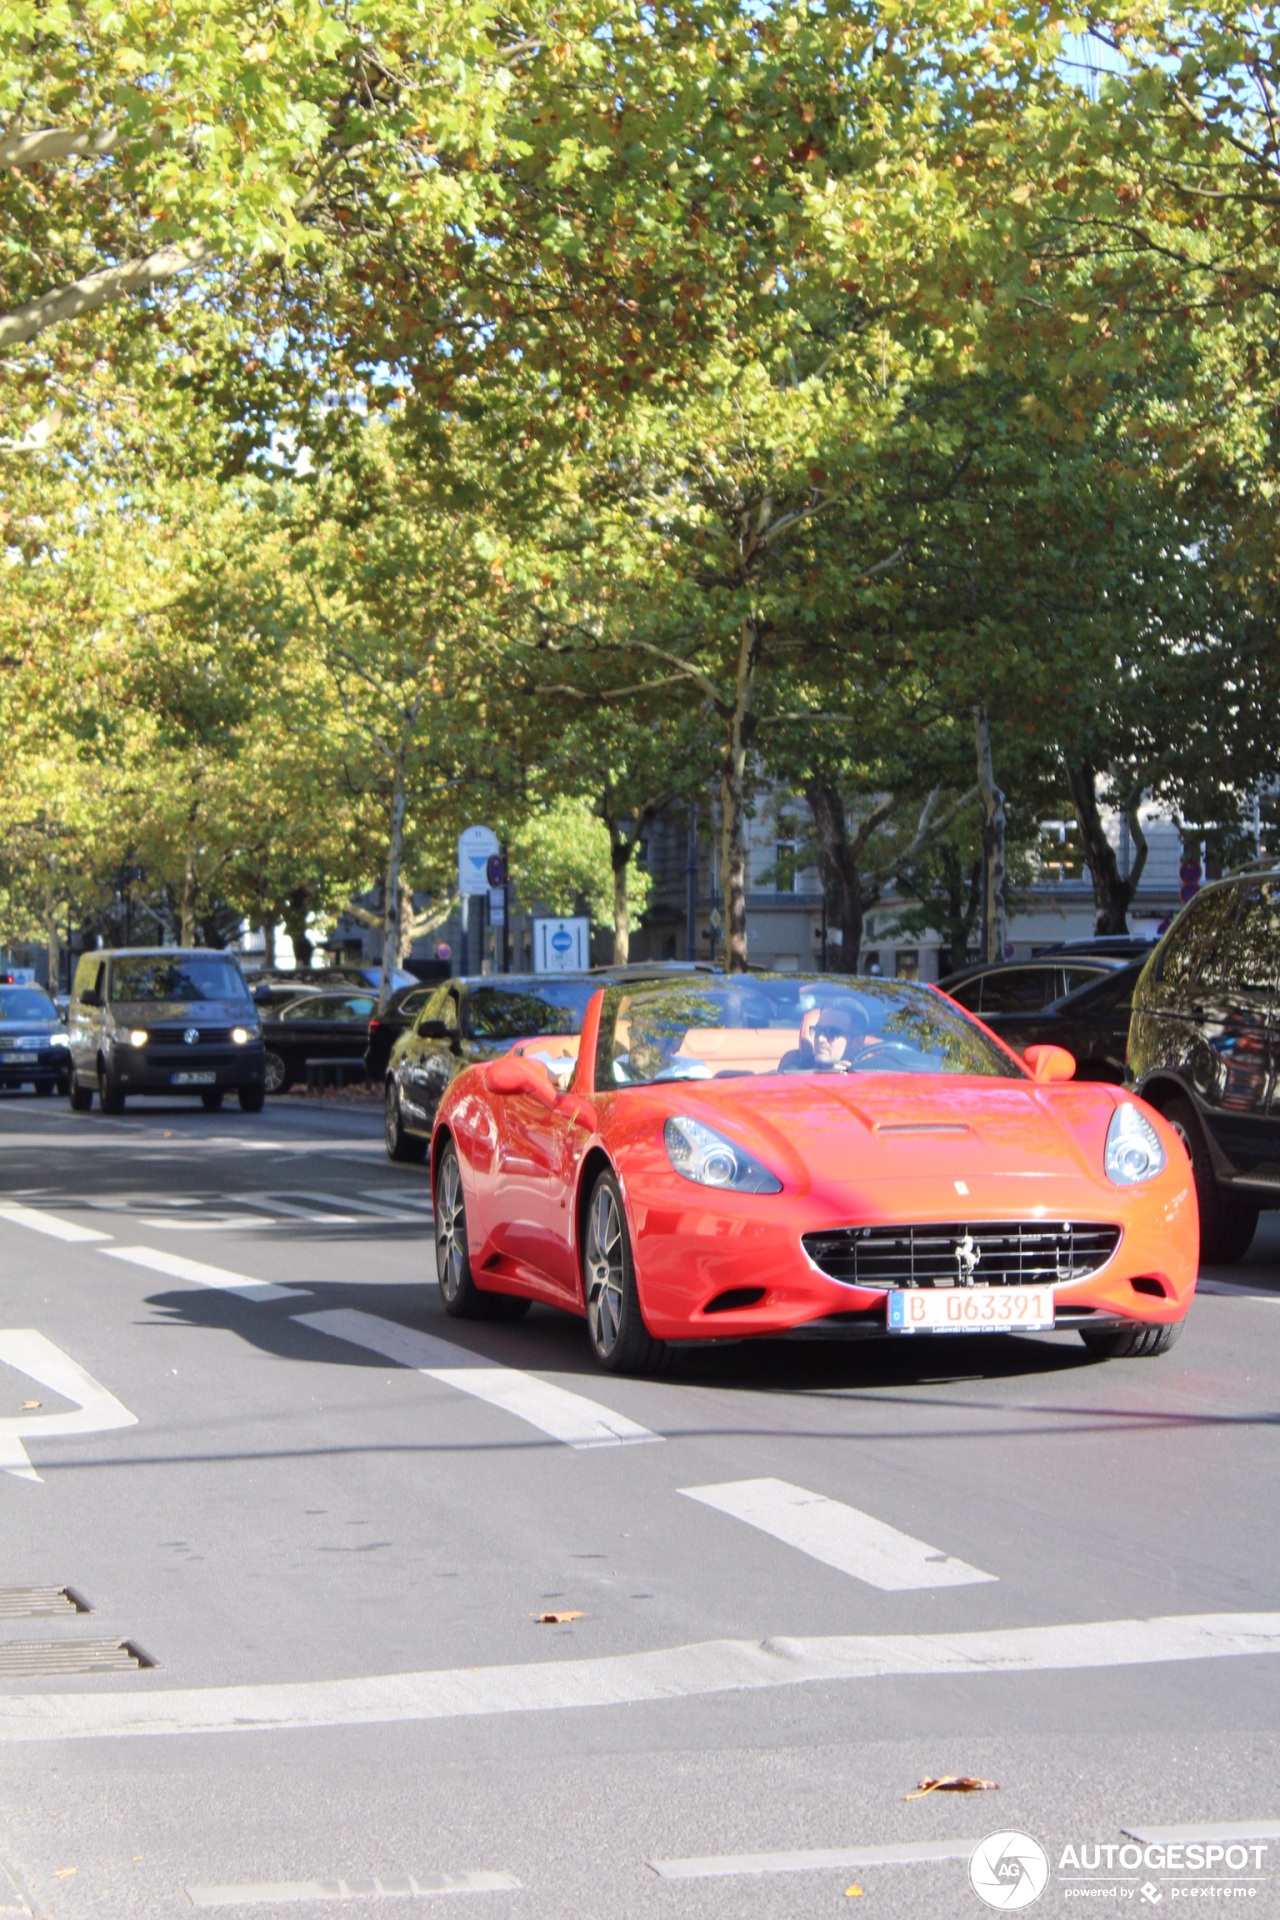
(830, 1033)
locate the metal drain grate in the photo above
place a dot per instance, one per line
(33, 1659)
(33, 1603)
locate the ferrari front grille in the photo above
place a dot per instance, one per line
(984, 1253)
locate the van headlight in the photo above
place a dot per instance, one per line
(1134, 1152)
(138, 1037)
(704, 1156)
(241, 1036)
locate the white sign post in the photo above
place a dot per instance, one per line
(562, 946)
(476, 847)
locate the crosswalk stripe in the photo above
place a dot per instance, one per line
(840, 1536)
(719, 1866)
(552, 1685)
(178, 1267)
(566, 1416)
(49, 1223)
(282, 1893)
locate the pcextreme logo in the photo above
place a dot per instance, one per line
(1008, 1870)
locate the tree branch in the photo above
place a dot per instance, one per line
(100, 287)
(55, 143)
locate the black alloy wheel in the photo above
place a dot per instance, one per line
(279, 1073)
(1133, 1343)
(110, 1092)
(1227, 1225)
(462, 1297)
(401, 1144)
(81, 1098)
(620, 1341)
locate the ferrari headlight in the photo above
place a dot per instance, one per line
(1134, 1152)
(701, 1154)
(139, 1037)
(240, 1035)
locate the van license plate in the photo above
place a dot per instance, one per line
(193, 1079)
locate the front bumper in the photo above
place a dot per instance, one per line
(223, 1069)
(725, 1266)
(19, 1063)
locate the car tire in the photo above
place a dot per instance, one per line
(252, 1099)
(81, 1098)
(110, 1092)
(1133, 1343)
(620, 1340)
(1227, 1225)
(279, 1073)
(211, 1099)
(462, 1298)
(401, 1145)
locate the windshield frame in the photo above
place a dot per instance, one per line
(1003, 1062)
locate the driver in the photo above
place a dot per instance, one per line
(837, 1034)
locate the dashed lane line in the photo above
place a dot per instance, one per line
(41, 1222)
(1208, 1832)
(669, 1673)
(566, 1416)
(839, 1536)
(720, 1866)
(178, 1267)
(399, 1886)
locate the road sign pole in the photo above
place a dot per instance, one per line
(464, 914)
(506, 912)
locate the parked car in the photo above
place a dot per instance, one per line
(739, 1159)
(1092, 1023)
(33, 1041)
(1120, 946)
(329, 1025)
(995, 988)
(162, 1020)
(1204, 1048)
(471, 1018)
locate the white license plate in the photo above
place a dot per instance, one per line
(193, 1079)
(970, 1309)
(19, 1059)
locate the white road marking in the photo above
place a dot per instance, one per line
(719, 1866)
(95, 1410)
(326, 1209)
(1239, 1288)
(839, 1536)
(1221, 1831)
(49, 1223)
(421, 1201)
(570, 1417)
(614, 1680)
(403, 1886)
(178, 1267)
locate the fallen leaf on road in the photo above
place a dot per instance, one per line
(29, 1406)
(853, 1893)
(554, 1619)
(64, 1873)
(953, 1783)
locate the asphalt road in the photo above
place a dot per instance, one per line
(800, 1578)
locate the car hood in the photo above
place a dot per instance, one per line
(850, 1135)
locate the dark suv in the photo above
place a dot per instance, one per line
(1204, 1047)
(163, 1020)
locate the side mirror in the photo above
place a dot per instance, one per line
(91, 997)
(435, 1030)
(513, 1075)
(1050, 1063)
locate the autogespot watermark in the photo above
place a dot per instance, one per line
(1009, 1870)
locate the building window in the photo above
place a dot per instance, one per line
(906, 963)
(1061, 853)
(784, 866)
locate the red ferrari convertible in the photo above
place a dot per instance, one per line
(727, 1158)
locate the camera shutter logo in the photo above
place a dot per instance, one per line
(1008, 1870)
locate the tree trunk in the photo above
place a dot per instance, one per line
(391, 889)
(187, 903)
(838, 865)
(407, 935)
(269, 943)
(1112, 891)
(296, 909)
(733, 800)
(995, 917)
(52, 937)
(620, 851)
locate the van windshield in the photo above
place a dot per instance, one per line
(177, 977)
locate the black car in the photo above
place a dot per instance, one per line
(470, 1019)
(330, 1025)
(162, 1020)
(1204, 1047)
(995, 989)
(1092, 1023)
(33, 1041)
(386, 1027)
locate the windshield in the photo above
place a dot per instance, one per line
(27, 1003)
(186, 977)
(506, 1013)
(763, 1026)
